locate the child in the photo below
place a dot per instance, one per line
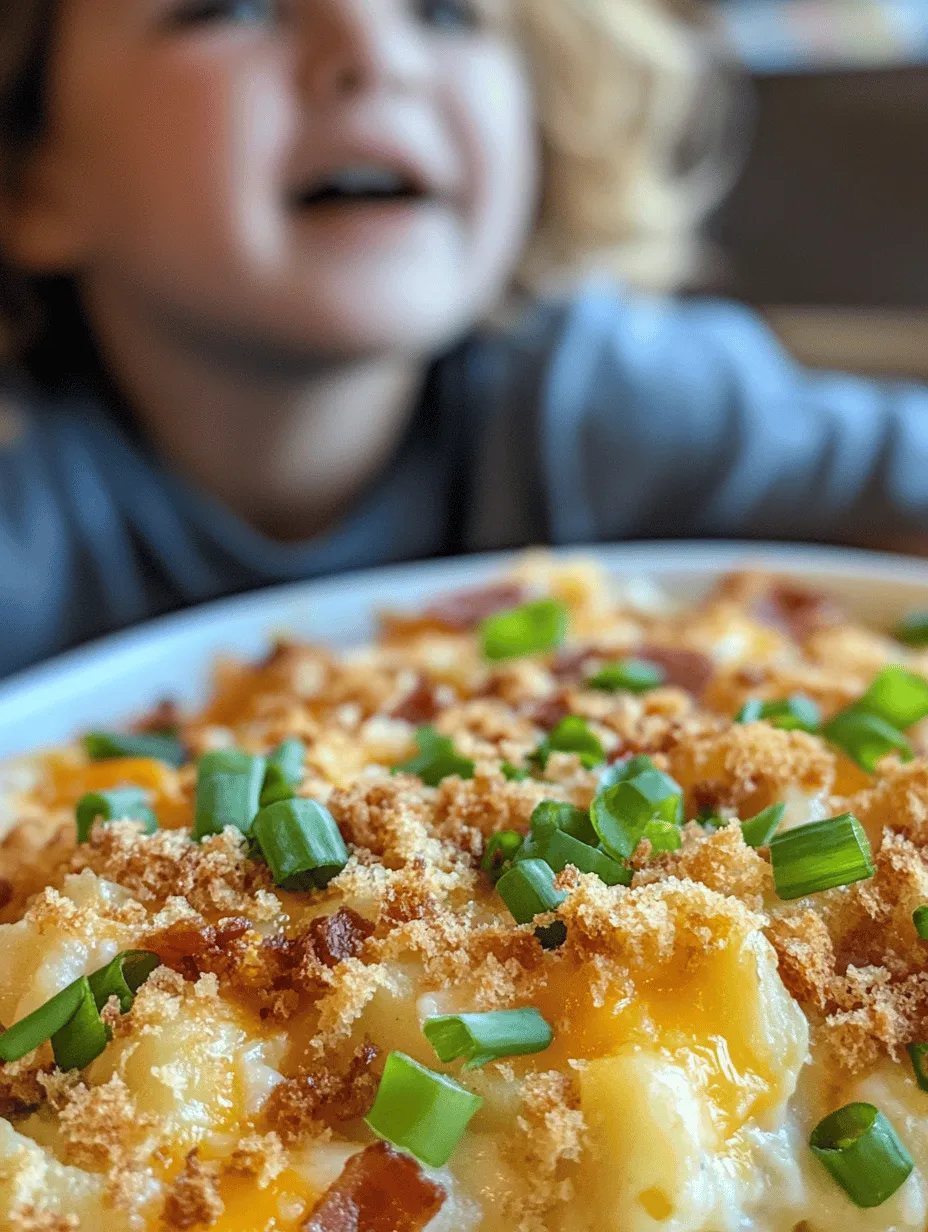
(247, 248)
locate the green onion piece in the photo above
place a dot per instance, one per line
(619, 771)
(126, 802)
(528, 890)
(920, 920)
(794, 713)
(913, 630)
(84, 1036)
(41, 1024)
(122, 978)
(558, 849)
(573, 821)
(101, 746)
(571, 736)
(228, 792)
(898, 696)
(919, 1056)
(533, 628)
(284, 772)
(759, 830)
(663, 836)
(301, 843)
(862, 1152)
(865, 738)
(620, 814)
(487, 1037)
(420, 1111)
(632, 675)
(515, 774)
(819, 856)
(436, 759)
(499, 852)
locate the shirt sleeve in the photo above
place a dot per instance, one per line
(688, 418)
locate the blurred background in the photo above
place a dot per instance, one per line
(826, 231)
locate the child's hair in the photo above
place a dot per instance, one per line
(635, 126)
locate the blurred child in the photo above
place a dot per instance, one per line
(252, 250)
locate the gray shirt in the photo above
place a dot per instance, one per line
(609, 417)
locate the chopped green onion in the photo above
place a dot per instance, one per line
(913, 630)
(84, 1036)
(920, 920)
(228, 791)
(436, 759)
(632, 675)
(572, 735)
(533, 628)
(820, 856)
(627, 768)
(918, 1054)
(621, 813)
(420, 1111)
(284, 772)
(759, 830)
(487, 1037)
(528, 890)
(301, 843)
(862, 1152)
(573, 821)
(101, 746)
(663, 836)
(515, 774)
(558, 849)
(499, 852)
(898, 696)
(41, 1024)
(127, 802)
(866, 738)
(122, 978)
(794, 713)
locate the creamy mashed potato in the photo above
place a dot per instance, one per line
(701, 1023)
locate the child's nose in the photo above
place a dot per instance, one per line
(352, 46)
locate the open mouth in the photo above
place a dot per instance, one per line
(360, 185)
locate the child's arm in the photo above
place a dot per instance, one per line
(687, 419)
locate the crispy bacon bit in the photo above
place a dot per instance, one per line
(339, 936)
(379, 1190)
(300, 1104)
(568, 664)
(463, 610)
(418, 706)
(193, 949)
(796, 610)
(7, 890)
(548, 713)
(165, 717)
(194, 1198)
(687, 669)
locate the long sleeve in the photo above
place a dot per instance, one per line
(656, 418)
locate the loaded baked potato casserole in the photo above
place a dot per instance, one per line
(545, 912)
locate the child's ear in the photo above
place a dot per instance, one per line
(40, 230)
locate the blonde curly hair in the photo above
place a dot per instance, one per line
(634, 115)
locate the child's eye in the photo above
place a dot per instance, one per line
(448, 14)
(201, 12)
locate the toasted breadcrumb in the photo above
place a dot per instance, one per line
(193, 1200)
(34, 1219)
(261, 1156)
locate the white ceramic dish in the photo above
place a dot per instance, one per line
(106, 682)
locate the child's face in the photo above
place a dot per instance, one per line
(327, 177)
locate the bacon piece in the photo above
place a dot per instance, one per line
(339, 936)
(194, 949)
(687, 669)
(796, 610)
(548, 713)
(463, 610)
(299, 1103)
(165, 717)
(418, 706)
(379, 1190)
